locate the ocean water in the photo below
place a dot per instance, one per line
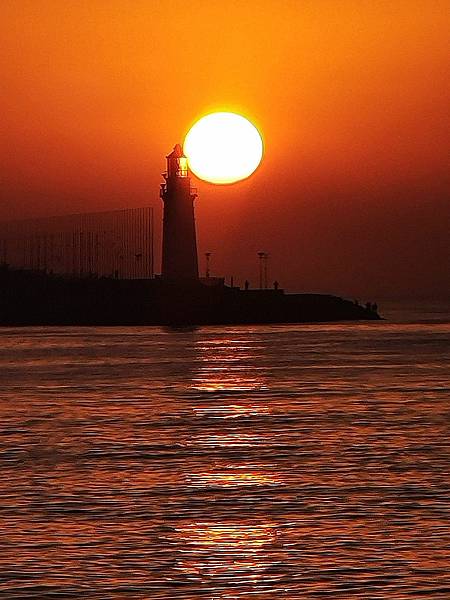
(307, 461)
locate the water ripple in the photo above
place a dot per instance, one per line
(225, 463)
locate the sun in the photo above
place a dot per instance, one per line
(223, 147)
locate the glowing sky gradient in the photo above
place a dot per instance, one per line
(351, 98)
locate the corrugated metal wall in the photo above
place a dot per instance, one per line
(116, 243)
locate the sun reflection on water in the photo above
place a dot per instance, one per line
(226, 381)
(231, 411)
(234, 476)
(216, 549)
(222, 550)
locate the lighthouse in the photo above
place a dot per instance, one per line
(179, 251)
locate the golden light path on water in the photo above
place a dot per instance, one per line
(242, 549)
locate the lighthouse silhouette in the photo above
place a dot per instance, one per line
(179, 251)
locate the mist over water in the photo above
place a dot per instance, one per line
(307, 461)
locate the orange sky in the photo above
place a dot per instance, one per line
(350, 96)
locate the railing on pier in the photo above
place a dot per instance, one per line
(116, 243)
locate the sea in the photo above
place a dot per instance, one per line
(227, 463)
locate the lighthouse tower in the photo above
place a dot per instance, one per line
(179, 252)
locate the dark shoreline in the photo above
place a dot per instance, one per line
(31, 298)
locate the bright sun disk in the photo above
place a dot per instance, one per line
(223, 147)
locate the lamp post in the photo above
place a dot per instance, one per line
(207, 255)
(263, 256)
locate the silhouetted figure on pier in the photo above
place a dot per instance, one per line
(246, 285)
(275, 285)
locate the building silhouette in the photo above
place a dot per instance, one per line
(179, 251)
